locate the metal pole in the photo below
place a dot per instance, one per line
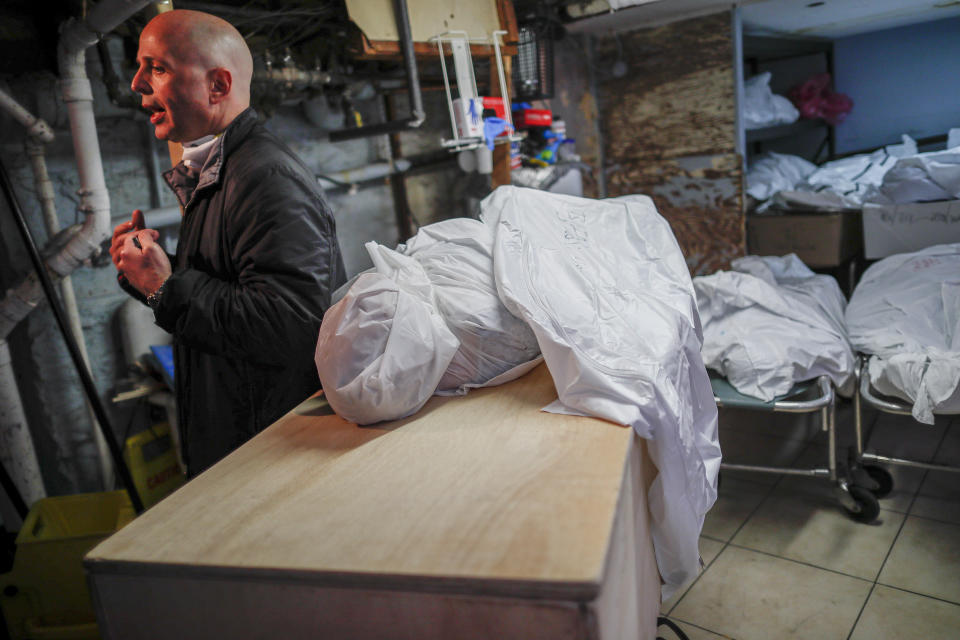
(85, 377)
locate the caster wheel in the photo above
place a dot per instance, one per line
(867, 506)
(882, 477)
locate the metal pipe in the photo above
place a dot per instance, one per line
(825, 399)
(816, 473)
(884, 405)
(52, 222)
(872, 457)
(82, 369)
(417, 114)
(36, 127)
(17, 453)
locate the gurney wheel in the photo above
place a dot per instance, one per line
(869, 508)
(882, 477)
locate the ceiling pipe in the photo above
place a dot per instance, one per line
(417, 114)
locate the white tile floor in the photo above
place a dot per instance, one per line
(783, 559)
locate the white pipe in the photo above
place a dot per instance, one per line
(76, 37)
(48, 205)
(364, 173)
(36, 128)
(17, 454)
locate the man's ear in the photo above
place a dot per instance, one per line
(221, 81)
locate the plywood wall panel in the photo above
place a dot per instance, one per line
(669, 127)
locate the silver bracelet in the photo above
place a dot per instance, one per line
(153, 300)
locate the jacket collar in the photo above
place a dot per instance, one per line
(184, 186)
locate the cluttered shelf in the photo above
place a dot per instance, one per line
(784, 130)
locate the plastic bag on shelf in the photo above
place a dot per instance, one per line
(815, 99)
(762, 108)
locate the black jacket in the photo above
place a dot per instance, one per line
(256, 262)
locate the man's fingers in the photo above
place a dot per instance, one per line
(137, 219)
(146, 237)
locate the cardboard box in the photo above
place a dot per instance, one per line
(902, 228)
(819, 239)
(532, 118)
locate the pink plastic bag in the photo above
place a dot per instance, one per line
(815, 99)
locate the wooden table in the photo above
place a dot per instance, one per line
(478, 517)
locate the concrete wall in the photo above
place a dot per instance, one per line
(52, 393)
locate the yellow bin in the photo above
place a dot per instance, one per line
(45, 596)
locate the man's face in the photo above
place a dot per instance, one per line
(174, 89)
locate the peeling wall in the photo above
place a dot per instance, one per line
(668, 128)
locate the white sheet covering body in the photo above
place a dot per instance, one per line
(426, 320)
(770, 322)
(606, 290)
(457, 257)
(905, 312)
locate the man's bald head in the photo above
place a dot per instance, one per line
(205, 39)
(194, 74)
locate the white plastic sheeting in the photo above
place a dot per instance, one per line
(605, 288)
(925, 177)
(763, 108)
(426, 320)
(457, 257)
(770, 323)
(773, 172)
(905, 312)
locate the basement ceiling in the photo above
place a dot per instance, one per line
(811, 18)
(840, 18)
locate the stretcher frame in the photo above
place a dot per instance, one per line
(886, 404)
(859, 502)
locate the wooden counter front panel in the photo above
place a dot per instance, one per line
(471, 508)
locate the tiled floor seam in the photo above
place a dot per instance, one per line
(726, 544)
(903, 523)
(700, 575)
(863, 608)
(702, 628)
(801, 562)
(917, 593)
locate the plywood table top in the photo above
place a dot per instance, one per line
(482, 493)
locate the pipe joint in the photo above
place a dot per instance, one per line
(76, 90)
(418, 119)
(76, 36)
(40, 131)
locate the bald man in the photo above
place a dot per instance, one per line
(257, 256)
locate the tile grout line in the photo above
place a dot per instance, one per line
(913, 500)
(726, 544)
(917, 593)
(801, 562)
(886, 557)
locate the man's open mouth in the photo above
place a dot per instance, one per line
(156, 114)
